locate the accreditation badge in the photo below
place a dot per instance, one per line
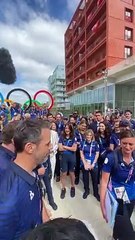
(121, 193)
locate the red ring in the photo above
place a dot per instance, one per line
(49, 94)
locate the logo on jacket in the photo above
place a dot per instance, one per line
(31, 195)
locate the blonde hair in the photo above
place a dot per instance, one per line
(90, 131)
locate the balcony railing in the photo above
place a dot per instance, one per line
(94, 13)
(94, 48)
(93, 32)
(79, 59)
(79, 47)
(96, 63)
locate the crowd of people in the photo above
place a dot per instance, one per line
(38, 148)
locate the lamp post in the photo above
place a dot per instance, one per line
(105, 72)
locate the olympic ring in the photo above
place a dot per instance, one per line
(22, 90)
(8, 100)
(2, 98)
(28, 102)
(46, 92)
(38, 103)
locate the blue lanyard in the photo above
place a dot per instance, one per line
(80, 136)
(130, 174)
(91, 145)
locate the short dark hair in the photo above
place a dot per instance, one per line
(8, 132)
(124, 123)
(127, 133)
(49, 114)
(61, 229)
(128, 111)
(29, 131)
(98, 111)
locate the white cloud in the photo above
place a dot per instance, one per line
(36, 47)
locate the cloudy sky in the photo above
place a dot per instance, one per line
(33, 32)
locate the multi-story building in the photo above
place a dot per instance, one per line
(100, 35)
(57, 87)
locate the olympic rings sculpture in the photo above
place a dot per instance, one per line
(29, 102)
(33, 101)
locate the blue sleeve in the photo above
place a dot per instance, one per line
(9, 216)
(8, 221)
(133, 124)
(75, 140)
(97, 147)
(112, 140)
(77, 136)
(108, 163)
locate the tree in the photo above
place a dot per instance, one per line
(7, 69)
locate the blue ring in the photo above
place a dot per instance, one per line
(2, 98)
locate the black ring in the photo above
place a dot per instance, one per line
(22, 90)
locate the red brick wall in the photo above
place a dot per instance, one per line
(116, 24)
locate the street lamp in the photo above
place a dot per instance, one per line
(105, 72)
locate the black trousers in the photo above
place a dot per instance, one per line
(48, 186)
(77, 166)
(57, 167)
(123, 228)
(94, 178)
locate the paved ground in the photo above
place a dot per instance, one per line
(88, 210)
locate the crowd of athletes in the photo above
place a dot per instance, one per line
(80, 145)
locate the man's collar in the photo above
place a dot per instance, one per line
(23, 174)
(9, 152)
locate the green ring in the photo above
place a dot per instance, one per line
(37, 102)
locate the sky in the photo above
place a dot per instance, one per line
(33, 32)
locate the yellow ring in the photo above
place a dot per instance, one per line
(7, 100)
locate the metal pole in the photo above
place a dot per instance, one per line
(106, 91)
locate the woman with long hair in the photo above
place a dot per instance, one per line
(54, 143)
(118, 176)
(103, 139)
(67, 147)
(80, 136)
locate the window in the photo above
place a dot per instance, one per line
(128, 51)
(129, 34)
(129, 15)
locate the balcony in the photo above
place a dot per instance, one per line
(89, 5)
(68, 37)
(93, 48)
(96, 12)
(79, 82)
(79, 20)
(59, 83)
(60, 89)
(79, 35)
(96, 64)
(69, 52)
(80, 71)
(69, 61)
(79, 48)
(69, 71)
(96, 30)
(79, 60)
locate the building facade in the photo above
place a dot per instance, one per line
(100, 35)
(57, 87)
